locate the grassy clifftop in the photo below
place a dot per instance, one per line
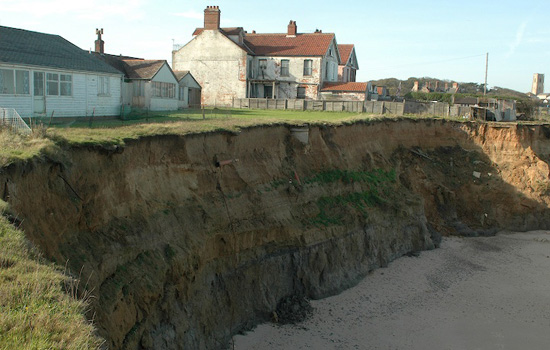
(36, 306)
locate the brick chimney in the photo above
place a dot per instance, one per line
(292, 28)
(415, 86)
(99, 44)
(212, 18)
(455, 86)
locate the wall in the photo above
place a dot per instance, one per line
(286, 87)
(103, 105)
(83, 102)
(432, 108)
(218, 65)
(164, 104)
(329, 66)
(371, 107)
(343, 96)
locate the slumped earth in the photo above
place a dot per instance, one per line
(472, 293)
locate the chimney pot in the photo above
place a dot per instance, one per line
(292, 28)
(99, 43)
(212, 17)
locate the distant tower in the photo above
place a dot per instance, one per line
(538, 84)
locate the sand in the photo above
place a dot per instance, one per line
(472, 293)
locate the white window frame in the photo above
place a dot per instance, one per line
(19, 84)
(103, 85)
(163, 90)
(285, 71)
(61, 83)
(308, 71)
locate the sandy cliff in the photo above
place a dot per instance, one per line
(185, 240)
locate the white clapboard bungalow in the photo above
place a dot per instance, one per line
(153, 84)
(44, 74)
(148, 84)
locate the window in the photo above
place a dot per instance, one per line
(284, 68)
(308, 64)
(164, 90)
(7, 83)
(66, 85)
(181, 95)
(22, 82)
(301, 92)
(263, 63)
(38, 83)
(103, 85)
(14, 82)
(59, 84)
(52, 84)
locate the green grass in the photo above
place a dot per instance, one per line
(14, 147)
(116, 132)
(36, 308)
(48, 134)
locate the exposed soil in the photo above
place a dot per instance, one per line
(186, 240)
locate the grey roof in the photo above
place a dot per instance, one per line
(18, 46)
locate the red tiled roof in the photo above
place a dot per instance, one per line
(348, 87)
(345, 52)
(142, 69)
(314, 44)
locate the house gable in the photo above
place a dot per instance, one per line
(165, 74)
(185, 78)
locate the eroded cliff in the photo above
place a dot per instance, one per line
(185, 240)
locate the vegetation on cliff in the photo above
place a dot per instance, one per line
(38, 302)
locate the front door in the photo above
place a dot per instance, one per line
(39, 94)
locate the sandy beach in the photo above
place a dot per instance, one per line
(472, 293)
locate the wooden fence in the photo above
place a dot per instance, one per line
(372, 107)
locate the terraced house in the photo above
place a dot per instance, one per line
(43, 74)
(232, 63)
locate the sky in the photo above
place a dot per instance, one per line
(393, 39)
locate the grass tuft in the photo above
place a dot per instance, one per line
(36, 312)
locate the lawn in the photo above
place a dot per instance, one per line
(88, 131)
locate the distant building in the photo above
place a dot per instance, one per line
(149, 84)
(349, 91)
(538, 84)
(347, 70)
(230, 63)
(427, 87)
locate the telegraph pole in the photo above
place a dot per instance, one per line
(486, 68)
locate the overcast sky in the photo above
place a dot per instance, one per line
(401, 38)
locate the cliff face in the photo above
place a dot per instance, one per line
(185, 240)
